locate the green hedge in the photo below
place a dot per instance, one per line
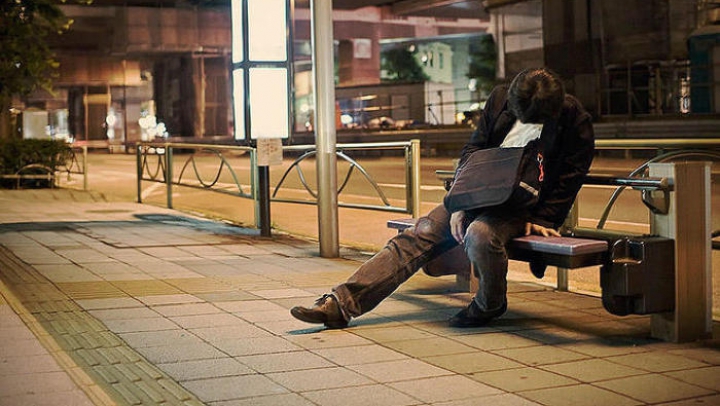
(16, 154)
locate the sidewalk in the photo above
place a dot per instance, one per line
(119, 303)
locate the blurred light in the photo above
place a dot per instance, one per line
(346, 119)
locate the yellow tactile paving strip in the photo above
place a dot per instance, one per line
(100, 363)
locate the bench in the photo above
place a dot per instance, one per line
(562, 252)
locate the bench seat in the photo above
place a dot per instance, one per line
(563, 252)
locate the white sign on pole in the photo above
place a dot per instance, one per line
(269, 151)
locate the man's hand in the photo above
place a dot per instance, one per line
(531, 228)
(457, 228)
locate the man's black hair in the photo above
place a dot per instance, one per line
(536, 95)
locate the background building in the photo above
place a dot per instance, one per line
(135, 69)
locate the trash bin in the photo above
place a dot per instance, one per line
(639, 277)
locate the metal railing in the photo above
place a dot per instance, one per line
(77, 164)
(668, 150)
(155, 162)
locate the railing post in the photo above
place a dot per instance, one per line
(688, 222)
(414, 181)
(169, 174)
(139, 170)
(254, 187)
(85, 167)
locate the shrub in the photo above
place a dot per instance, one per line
(31, 157)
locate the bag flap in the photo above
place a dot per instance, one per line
(487, 178)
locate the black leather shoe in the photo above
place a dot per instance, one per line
(325, 311)
(472, 316)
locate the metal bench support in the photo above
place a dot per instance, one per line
(688, 222)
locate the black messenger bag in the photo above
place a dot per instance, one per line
(495, 176)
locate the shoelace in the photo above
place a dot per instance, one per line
(323, 298)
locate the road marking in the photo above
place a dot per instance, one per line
(151, 189)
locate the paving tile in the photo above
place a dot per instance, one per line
(289, 399)
(507, 399)
(206, 368)
(145, 324)
(131, 313)
(237, 331)
(495, 341)
(218, 298)
(249, 306)
(186, 309)
(21, 348)
(233, 387)
(83, 255)
(160, 338)
(280, 293)
(146, 288)
(364, 354)
(90, 290)
(522, 379)
(317, 379)
(183, 352)
(704, 400)
(657, 362)
(399, 370)
(283, 362)
(388, 333)
(206, 320)
(27, 364)
(705, 377)
(70, 398)
(444, 388)
(256, 345)
(540, 355)
(36, 383)
(13, 329)
(66, 273)
(109, 303)
(653, 388)
(578, 395)
(430, 347)
(199, 284)
(155, 300)
(473, 362)
(361, 396)
(592, 370)
(706, 354)
(327, 339)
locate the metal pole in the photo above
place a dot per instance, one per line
(255, 186)
(138, 170)
(415, 180)
(324, 94)
(85, 167)
(264, 199)
(168, 174)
